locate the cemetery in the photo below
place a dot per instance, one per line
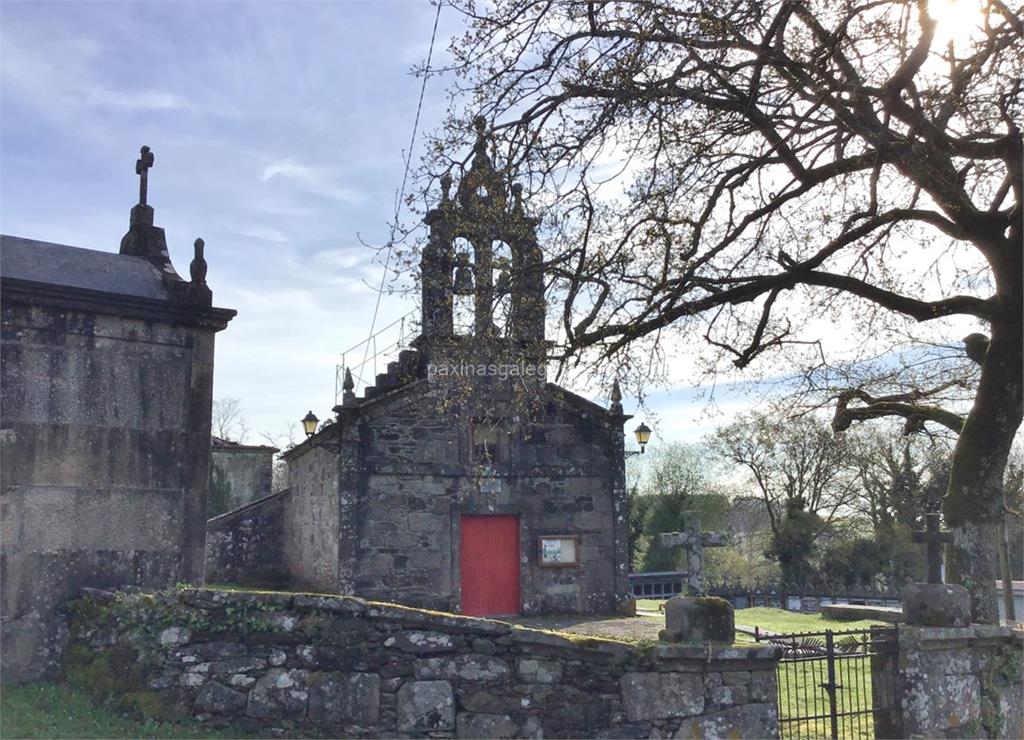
(483, 538)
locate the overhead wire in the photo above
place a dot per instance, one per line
(405, 180)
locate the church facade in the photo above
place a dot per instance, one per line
(106, 386)
(462, 480)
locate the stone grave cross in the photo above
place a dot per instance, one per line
(142, 165)
(693, 541)
(933, 537)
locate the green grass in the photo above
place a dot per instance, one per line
(801, 695)
(48, 710)
(800, 692)
(779, 620)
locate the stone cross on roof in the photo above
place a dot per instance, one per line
(142, 165)
(933, 537)
(693, 541)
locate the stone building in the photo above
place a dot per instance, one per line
(462, 480)
(106, 378)
(240, 474)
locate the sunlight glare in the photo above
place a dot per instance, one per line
(956, 20)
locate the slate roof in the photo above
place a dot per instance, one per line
(221, 444)
(75, 267)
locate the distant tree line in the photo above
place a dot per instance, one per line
(802, 505)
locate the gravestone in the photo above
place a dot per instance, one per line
(935, 604)
(696, 618)
(692, 541)
(933, 537)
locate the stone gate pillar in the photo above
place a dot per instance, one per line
(952, 682)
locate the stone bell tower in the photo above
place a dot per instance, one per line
(485, 214)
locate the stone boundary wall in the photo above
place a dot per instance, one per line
(342, 666)
(245, 545)
(954, 682)
(245, 472)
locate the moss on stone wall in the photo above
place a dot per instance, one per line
(1001, 672)
(220, 499)
(340, 666)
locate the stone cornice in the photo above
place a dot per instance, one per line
(33, 293)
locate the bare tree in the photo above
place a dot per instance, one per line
(227, 421)
(284, 440)
(791, 164)
(800, 470)
(899, 478)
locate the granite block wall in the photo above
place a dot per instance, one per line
(244, 545)
(105, 462)
(244, 473)
(341, 666)
(310, 541)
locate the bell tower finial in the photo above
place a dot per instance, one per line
(616, 398)
(142, 165)
(446, 187)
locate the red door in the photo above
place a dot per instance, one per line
(489, 561)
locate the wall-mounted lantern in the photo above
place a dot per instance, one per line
(309, 423)
(643, 435)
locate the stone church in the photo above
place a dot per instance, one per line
(106, 385)
(462, 480)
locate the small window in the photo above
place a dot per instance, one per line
(490, 444)
(559, 551)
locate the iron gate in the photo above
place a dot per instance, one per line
(836, 684)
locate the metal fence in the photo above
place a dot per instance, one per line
(801, 598)
(835, 683)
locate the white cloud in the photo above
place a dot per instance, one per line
(136, 99)
(265, 233)
(315, 180)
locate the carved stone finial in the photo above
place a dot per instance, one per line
(446, 186)
(142, 165)
(348, 397)
(480, 125)
(517, 199)
(616, 398)
(197, 268)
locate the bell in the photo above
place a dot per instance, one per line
(463, 284)
(503, 284)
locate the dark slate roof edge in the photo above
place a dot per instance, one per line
(22, 258)
(584, 403)
(310, 443)
(83, 299)
(235, 447)
(269, 498)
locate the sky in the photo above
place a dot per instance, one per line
(278, 130)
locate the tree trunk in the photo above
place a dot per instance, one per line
(1009, 608)
(973, 502)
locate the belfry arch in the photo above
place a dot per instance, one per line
(482, 244)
